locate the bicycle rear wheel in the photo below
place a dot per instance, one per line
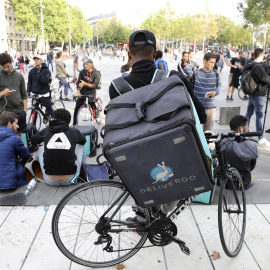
(85, 116)
(231, 215)
(98, 110)
(34, 117)
(242, 95)
(58, 104)
(79, 221)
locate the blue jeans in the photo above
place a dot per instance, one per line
(79, 152)
(63, 81)
(50, 62)
(255, 103)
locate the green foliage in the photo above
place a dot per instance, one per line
(115, 32)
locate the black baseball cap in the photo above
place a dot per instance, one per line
(142, 37)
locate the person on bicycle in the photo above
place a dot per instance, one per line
(38, 83)
(13, 97)
(142, 52)
(86, 85)
(62, 155)
(241, 155)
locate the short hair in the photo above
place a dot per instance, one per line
(238, 121)
(4, 59)
(258, 52)
(6, 117)
(209, 55)
(141, 50)
(159, 54)
(58, 54)
(62, 114)
(183, 53)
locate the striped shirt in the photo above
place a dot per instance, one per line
(205, 82)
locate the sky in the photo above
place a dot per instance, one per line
(227, 8)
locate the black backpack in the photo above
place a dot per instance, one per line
(248, 83)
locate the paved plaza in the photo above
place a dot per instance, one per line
(26, 241)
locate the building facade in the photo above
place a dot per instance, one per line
(10, 38)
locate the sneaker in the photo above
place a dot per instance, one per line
(62, 98)
(67, 99)
(231, 98)
(267, 131)
(227, 98)
(263, 142)
(245, 97)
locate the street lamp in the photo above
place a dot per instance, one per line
(69, 21)
(42, 26)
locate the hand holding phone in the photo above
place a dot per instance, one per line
(207, 95)
(13, 90)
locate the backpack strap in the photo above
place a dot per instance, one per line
(160, 75)
(216, 77)
(121, 86)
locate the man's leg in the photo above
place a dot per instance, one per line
(74, 69)
(211, 116)
(258, 107)
(79, 103)
(250, 109)
(76, 65)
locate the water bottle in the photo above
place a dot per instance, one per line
(30, 186)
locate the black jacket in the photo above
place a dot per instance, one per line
(59, 147)
(38, 80)
(260, 77)
(50, 56)
(142, 74)
(92, 77)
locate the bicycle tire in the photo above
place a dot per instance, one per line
(30, 114)
(85, 116)
(232, 225)
(58, 104)
(76, 224)
(99, 108)
(241, 94)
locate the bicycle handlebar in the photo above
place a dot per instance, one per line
(232, 134)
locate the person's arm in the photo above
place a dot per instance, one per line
(23, 94)
(29, 83)
(38, 138)
(44, 76)
(189, 69)
(231, 64)
(81, 138)
(21, 150)
(92, 85)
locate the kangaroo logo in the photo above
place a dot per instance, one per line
(161, 173)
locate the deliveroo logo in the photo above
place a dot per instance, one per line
(161, 173)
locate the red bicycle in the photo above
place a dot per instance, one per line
(87, 112)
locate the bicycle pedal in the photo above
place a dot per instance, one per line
(184, 249)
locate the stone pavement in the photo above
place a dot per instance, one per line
(26, 241)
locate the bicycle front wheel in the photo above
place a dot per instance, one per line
(81, 229)
(242, 95)
(34, 117)
(232, 213)
(58, 104)
(85, 116)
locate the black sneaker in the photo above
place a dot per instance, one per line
(227, 98)
(231, 98)
(67, 99)
(267, 131)
(61, 98)
(245, 97)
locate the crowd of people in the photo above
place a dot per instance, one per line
(62, 155)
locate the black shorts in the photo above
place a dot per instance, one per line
(22, 121)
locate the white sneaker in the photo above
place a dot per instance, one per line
(264, 142)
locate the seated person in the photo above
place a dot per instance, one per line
(243, 155)
(11, 150)
(63, 152)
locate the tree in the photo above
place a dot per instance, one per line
(226, 30)
(256, 13)
(116, 32)
(209, 26)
